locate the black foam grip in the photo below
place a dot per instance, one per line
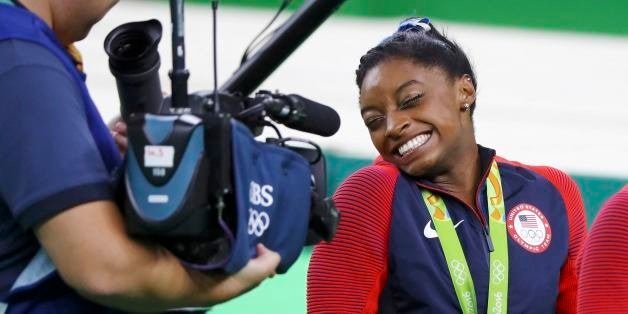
(316, 118)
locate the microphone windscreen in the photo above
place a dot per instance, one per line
(316, 118)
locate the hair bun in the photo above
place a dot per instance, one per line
(420, 24)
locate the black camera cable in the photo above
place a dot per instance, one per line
(255, 42)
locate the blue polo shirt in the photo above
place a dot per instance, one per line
(49, 160)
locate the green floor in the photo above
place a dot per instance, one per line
(283, 294)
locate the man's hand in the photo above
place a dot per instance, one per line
(255, 271)
(118, 132)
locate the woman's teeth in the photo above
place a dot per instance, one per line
(414, 143)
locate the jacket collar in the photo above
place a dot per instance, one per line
(486, 156)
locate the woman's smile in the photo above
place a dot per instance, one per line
(413, 144)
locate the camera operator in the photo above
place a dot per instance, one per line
(63, 245)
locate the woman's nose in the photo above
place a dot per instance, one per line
(396, 123)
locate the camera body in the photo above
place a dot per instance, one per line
(197, 182)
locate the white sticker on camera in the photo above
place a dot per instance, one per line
(158, 156)
(158, 199)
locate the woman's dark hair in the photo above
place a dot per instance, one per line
(418, 40)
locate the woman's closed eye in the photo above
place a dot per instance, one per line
(410, 102)
(373, 121)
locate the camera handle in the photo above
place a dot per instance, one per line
(280, 46)
(179, 74)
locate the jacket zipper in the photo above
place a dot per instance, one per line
(475, 210)
(487, 236)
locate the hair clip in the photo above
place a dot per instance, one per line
(421, 24)
(417, 24)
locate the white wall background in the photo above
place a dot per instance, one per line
(544, 97)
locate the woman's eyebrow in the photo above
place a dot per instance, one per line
(404, 85)
(367, 108)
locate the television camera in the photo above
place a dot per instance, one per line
(195, 178)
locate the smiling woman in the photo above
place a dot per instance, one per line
(419, 119)
(440, 223)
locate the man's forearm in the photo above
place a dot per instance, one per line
(95, 256)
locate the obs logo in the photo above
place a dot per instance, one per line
(259, 195)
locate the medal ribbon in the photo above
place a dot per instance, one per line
(454, 255)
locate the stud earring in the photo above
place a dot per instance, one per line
(466, 107)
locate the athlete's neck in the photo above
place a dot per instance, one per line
(462, 178)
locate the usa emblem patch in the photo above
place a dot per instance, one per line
(529, 227)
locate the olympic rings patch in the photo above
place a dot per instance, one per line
(529, 227)
(258, 222)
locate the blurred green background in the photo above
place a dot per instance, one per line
(599, 16)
